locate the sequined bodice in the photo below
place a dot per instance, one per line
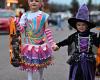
(83, 44)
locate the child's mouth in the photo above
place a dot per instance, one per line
(33, 5)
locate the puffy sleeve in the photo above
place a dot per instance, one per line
(22, 21)
(46, 16)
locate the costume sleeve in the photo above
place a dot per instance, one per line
(62, 43)
(22, 23)
(47, 16)
(65, 42)
(48, 31)
(49, 36)
(96, 40)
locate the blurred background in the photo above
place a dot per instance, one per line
(59, 11)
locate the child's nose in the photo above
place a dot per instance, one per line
(34, 1)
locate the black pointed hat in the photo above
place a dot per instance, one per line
(81, 16)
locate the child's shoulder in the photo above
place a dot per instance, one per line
(44, 13)
(93, 33)
(73, 35)
(24, 14)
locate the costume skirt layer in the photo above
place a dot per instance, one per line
(35, 57)
(83, 70)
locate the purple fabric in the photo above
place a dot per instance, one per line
(82, 16)
(86, 68)
(83, 44)
(74, 72)
(83, 13)
(83, 70)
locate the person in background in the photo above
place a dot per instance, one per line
(59, 23)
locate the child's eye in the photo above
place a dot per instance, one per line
(34, 0)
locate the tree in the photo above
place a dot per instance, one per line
(2, 3)
(98, 7)
(74, 7)
(89, 4)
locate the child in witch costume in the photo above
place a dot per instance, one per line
(36, 53)
(81, 43)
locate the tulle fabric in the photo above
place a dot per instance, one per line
(35, 57)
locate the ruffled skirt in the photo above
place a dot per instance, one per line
(35, 57)
(84, 69)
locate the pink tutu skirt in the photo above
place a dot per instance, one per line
(35, 57)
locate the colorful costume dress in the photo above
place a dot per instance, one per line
(82, 60)
(36, 53)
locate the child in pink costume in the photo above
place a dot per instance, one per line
(36, 53)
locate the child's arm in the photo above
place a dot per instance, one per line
(21, 23)
(49, 34)
(50, 38)
(62, 43)
(65, 42)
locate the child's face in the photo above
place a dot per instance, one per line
(81, 26)
(34, 4)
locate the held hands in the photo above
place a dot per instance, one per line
(55, 47)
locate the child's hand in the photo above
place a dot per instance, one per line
(55, 47)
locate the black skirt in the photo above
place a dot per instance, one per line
(83, 69)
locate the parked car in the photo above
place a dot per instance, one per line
(4, 20)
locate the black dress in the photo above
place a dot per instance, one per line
(82, 60)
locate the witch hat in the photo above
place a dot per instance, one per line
(81, 16)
